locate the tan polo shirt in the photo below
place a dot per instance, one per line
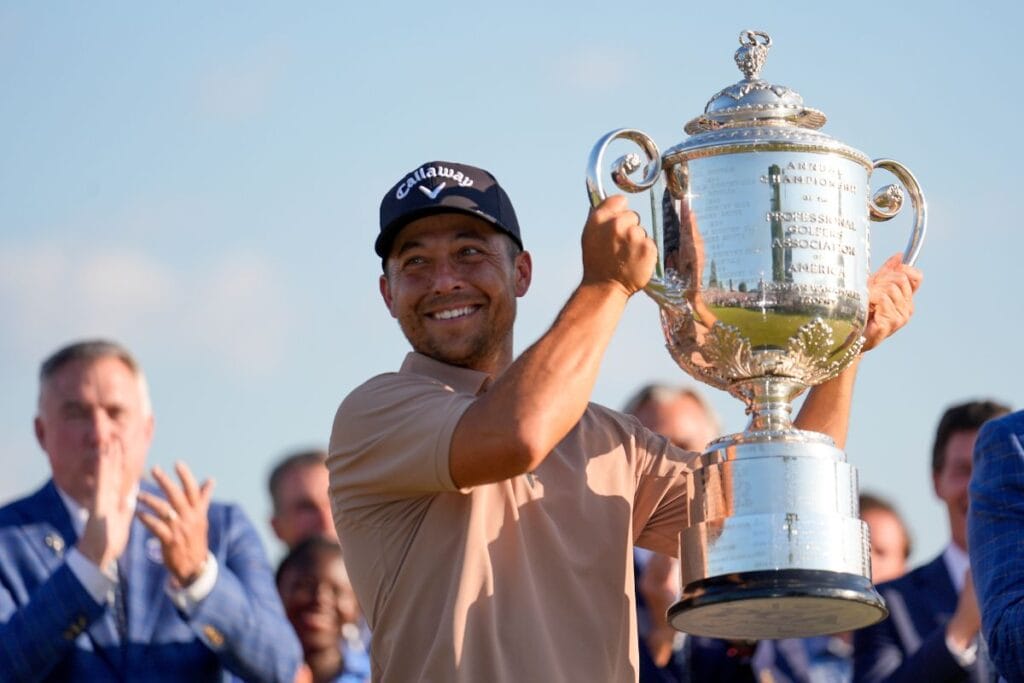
(527, 579)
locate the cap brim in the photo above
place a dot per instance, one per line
(389, 232)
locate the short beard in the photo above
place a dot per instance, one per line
(478, 351)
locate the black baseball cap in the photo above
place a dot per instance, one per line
(441, 187)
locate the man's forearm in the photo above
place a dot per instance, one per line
(827, 407)
(542, 395)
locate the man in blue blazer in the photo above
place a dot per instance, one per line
(104, 578)
(932, 633)
(995, 528)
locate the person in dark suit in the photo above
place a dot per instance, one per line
(104, 577)
(932, 630)
(995, 526)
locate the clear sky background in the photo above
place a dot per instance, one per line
(201, 182)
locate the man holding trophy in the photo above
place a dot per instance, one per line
(488, 511)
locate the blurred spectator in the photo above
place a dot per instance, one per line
(321, 606)
(932, 630)
(106, 577)
(890, 539)
(301, 504)
(666, 655)
(681, 413)
(302, 510)
(829, 658)
(995, 529)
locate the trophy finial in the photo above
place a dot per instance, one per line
(751, 56)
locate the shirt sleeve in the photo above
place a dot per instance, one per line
(186, 598)
(663, 490)
(99, 583)
(391, 439)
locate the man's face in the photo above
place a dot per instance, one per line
(303, 505)
(452, 283)
(682, 420)
(86, 408)
(951, 482)
(888, 545)
(319, 602)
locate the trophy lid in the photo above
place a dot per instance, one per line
(753, 102)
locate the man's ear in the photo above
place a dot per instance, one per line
(149, 427)
(40, 432)
(524, 272)
(385, 292)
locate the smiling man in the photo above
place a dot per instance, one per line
(322, 608)
(487, 510)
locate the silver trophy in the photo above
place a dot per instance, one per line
(761, 223)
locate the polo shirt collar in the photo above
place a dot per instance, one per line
(460, 379)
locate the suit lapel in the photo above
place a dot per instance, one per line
(145, 600)
(56, 535)
(941, 593)
(921, 601)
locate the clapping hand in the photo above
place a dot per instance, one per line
(110, 515)
(179, 521)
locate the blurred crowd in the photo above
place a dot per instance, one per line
(932, 632)
(94, 400)
(474, 516)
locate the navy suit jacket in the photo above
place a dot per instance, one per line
(995, 531)
(52, 630)
(804, 660)
(911, 644)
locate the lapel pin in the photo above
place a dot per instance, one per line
(153, 550)
(55, 542)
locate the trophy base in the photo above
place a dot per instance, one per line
(785, 603)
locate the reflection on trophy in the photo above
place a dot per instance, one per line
(761, 222)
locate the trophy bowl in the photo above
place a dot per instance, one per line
(762, 227)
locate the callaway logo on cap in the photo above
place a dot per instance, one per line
(444, 186)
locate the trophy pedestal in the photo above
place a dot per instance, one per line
(786, 603)
(774, 547)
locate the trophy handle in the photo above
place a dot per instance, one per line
(624, 166)
(657, 288)
(888, 201)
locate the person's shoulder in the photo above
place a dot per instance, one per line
(600, 414)
(598, 419)
(22, 510)
(385, 379)
(13, 510)
(916, 579)
(368, 393)
(228, 512)
(387, 384)
(26, 522)
(999, 428)
(392, 392)
(603, 427)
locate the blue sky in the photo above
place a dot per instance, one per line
(202, 182)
